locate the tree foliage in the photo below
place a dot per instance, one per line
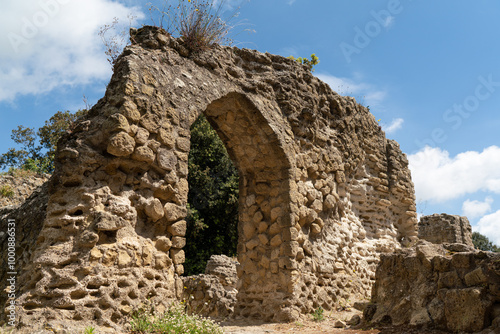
(481, 242)
(213, 199)
(37, 149)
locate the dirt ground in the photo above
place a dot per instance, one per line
(308, 326)
(317, 328)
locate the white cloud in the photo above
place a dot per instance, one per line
(51, 43)
(395, 125)
(364, 93)
(439, 177)
(290, 2)
(490, 226)
(474, 209)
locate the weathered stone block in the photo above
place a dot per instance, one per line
(124, 259)
(162, 261)
(154, 209)
(166, 137)
(276, 241)
(178, 242)
(129, 110)
(443, 228)
(408, 292)
(144, 153)
(183, 144)
(178, 256)
(174, 212)
(475, 277)
(105, 221)
(166, 159)
(465, 310)
(121, 145)
(252, 244)
(141, 136)
(178, 229)
(248, 230)
(163, 244)
(117, 122)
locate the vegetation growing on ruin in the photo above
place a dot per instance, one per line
(175, 320)
(198, 22)
(6, 191)
(310, 63)
(318, 314)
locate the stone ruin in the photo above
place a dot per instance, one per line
(214, 293)
(442, 282)
(443, 228)
(322, 192)
(448, 286)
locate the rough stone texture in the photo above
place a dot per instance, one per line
(322, 191)
(443, 228)
(450, 287)
(224, 268)
(22, 184)
(27, 218)
(213, 293)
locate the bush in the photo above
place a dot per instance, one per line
(174, 320)
(198, 22)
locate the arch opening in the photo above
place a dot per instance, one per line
(212, 218)
(263, 204)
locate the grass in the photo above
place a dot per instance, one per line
(6, 191)
(174, 320)
(89, 330)
(318, 314)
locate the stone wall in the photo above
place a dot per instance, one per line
(322, 191)
(450, 287)
(443, 228)
(214, 293)
(28, 218)
(18, 186)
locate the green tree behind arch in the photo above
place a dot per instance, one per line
(212, 199)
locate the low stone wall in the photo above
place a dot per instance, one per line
(214, 293)
(450, 287)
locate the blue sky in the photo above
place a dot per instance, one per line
(427, 69)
